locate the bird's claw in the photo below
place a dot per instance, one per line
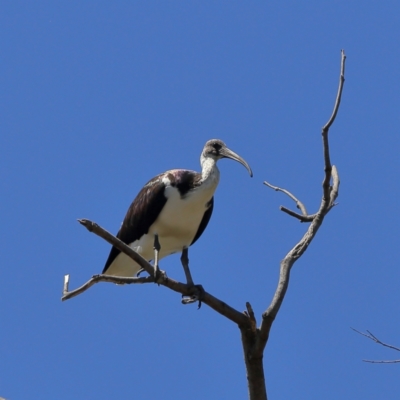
(159, 276)
(198, 294)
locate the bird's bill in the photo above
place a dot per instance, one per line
(227, 153)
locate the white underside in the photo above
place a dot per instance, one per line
(176, 226)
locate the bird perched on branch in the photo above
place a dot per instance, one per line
(170, 213)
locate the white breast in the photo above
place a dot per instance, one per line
(180, 218)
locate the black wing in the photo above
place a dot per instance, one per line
(141, 214)
(205, 220)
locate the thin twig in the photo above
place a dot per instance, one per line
(299, 204)
(301, 218)
(339, 93)
(382, 361)
(325, 130)
(372, 337)
(369, 335)
(101, 278)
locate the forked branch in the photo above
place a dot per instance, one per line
(372, 337)
(330, 192)
(304, 217)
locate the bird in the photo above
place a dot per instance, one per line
(170, 213)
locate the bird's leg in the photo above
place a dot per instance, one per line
(198, 290)
(157, 248)
(185, 265)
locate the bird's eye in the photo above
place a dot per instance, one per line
(217, 146)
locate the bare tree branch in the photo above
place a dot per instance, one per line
(301, 218)
(382, 361)
(119, 244)
(218, 305)
(372, 337)
(325, 130)
(369, 335)
(339, 94)
(304, 217)
(299, 204)
(101, 278)
(329, 195)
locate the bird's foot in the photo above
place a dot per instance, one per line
(159, 276)
(196, 295)
(139, 272)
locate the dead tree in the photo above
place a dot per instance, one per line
(254, 338)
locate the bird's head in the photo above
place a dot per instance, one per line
(217, 149)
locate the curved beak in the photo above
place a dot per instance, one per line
(227, 153)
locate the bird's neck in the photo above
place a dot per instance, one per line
(209, 170)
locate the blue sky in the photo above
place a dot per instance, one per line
(97, 98)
